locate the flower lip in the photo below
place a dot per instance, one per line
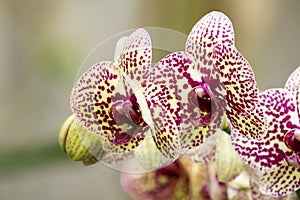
(201, 91)
(128, 117)
(201, 97)
(292, 141)
(293, 160)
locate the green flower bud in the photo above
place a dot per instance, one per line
(229, 164)
(78, 143)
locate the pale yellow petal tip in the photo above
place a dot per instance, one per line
(241, 182)
(119, 47)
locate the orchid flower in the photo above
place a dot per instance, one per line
(108, 100)
(192, 90)
(211, 44)
(105, 103)
(191, 98)
(276, 155)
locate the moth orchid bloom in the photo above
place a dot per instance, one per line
(172, 93)
(108, 98)
(222, 67)
(187, 92)
(277, 153)
(191, 89)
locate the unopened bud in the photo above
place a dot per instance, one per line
(78, 143)
(229, 164)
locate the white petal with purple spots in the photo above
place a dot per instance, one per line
(269, 152)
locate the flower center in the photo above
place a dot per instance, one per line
(128, 117)
(292, 141)
(200, 97)
(293, 160)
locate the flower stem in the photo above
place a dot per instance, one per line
(225, 125)
(298, 193)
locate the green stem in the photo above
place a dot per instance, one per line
(225, 126)
(298, 193)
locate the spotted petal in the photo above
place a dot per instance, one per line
(238, 78)
(269, 152)
(256, 185)
(280, 182)
(253, 126)
(205, 152)
(214, 28)
(241, 92)
(135, 59)
(92, 100)
(111, 158)
(144, 158)
(293, 86)
(164, 128)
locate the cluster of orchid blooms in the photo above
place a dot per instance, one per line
(191, 107)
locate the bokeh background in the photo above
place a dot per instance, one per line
(42, 45)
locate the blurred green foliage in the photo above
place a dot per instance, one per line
(56, 59)
(31, 157)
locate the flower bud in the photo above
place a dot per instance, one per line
(78, 143)
(229, 164)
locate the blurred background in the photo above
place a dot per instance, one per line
(42, 45)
